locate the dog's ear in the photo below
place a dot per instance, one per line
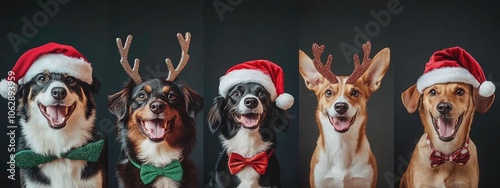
(312, 78)
(118, 103)
(482, 104)
(216, 113)
(194, 101)
(380, 63)
(411, 98)
(96, 86)
(279, 119)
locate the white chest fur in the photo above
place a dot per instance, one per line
(247, 143)
(159, 155)
(64, 173)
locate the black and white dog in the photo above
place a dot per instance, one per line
(247, 119)
(57, 115)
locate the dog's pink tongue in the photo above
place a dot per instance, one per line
(57, 114)
(155, 128)
(249, 121)
(341, 123)
(446, 127)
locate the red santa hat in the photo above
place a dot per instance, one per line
(455, 65)
(52, 57)
(263, 72)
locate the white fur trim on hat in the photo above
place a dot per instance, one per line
(59, 63)
(446, 75)
(486, 89)
(284, 101)
(246, 76)
(5, 88)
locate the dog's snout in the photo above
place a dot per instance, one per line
(444, 107)
(157, 107)
(251, 102)
(341, 107)
(58, 93)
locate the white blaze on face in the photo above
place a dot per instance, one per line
(56, 111)
(341, 122)
(249, 118)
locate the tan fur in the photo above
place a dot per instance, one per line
(419, 172)
(368, 83)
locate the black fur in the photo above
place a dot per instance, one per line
(221, 121)
(27, 92)
(124, 103)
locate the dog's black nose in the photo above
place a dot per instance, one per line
(251, 102)
(157, 107)
(341, 107)
(444, 108)
(58, 93)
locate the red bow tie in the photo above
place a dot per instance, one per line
(461, 156)
(258, 162)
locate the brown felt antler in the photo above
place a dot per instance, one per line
(133, 73)
(323, 69)
(359, 69)
(184, 42)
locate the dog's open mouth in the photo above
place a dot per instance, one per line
(57, 115)
(155, 129)
(249, 121)
(446, 127)
(342, 124)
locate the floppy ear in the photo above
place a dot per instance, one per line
(380, 63)
(279, 119)
(96, 86)
(312, 77)
(216, 114)
(411, 98)
(482, 104)
(118, 103)
(194, 101)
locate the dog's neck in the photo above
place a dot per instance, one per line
(446, 147)
(156, 154)
(246, 142)
(343, 146)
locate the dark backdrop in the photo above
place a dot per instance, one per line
(253, 30)
(334, 23)
(424, 27)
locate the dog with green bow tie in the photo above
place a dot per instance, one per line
(59, 145)
(156, 125)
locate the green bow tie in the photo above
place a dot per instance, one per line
(89, 152)
(149, 173)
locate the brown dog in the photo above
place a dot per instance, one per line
(445, 156)
(343, 157)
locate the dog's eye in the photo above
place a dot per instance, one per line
(261, 93)
(70, 80)
(328, 93)
(355, 93)
(171, 97)
(41, 78)
(236, 94)
(432, 92)
(460, 92)
(141, 96)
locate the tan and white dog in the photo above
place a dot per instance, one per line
(446, 97)
(343, 157)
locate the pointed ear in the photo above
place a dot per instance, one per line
(118, 103)
(194, 101)
(312, 77)
(216, 114)
(380, 63)
(411, 99)
(482, 104)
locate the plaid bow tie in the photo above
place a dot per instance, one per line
(90, 152)
(149, 173)
(258, 162)
(461, 156)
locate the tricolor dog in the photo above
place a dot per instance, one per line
(59, 145)
(156, 125)
(446, 96)
(343, 157)
(250, 107)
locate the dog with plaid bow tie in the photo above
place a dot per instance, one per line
(451, 89)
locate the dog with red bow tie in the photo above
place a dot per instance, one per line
(250, 107)
(451, 89)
